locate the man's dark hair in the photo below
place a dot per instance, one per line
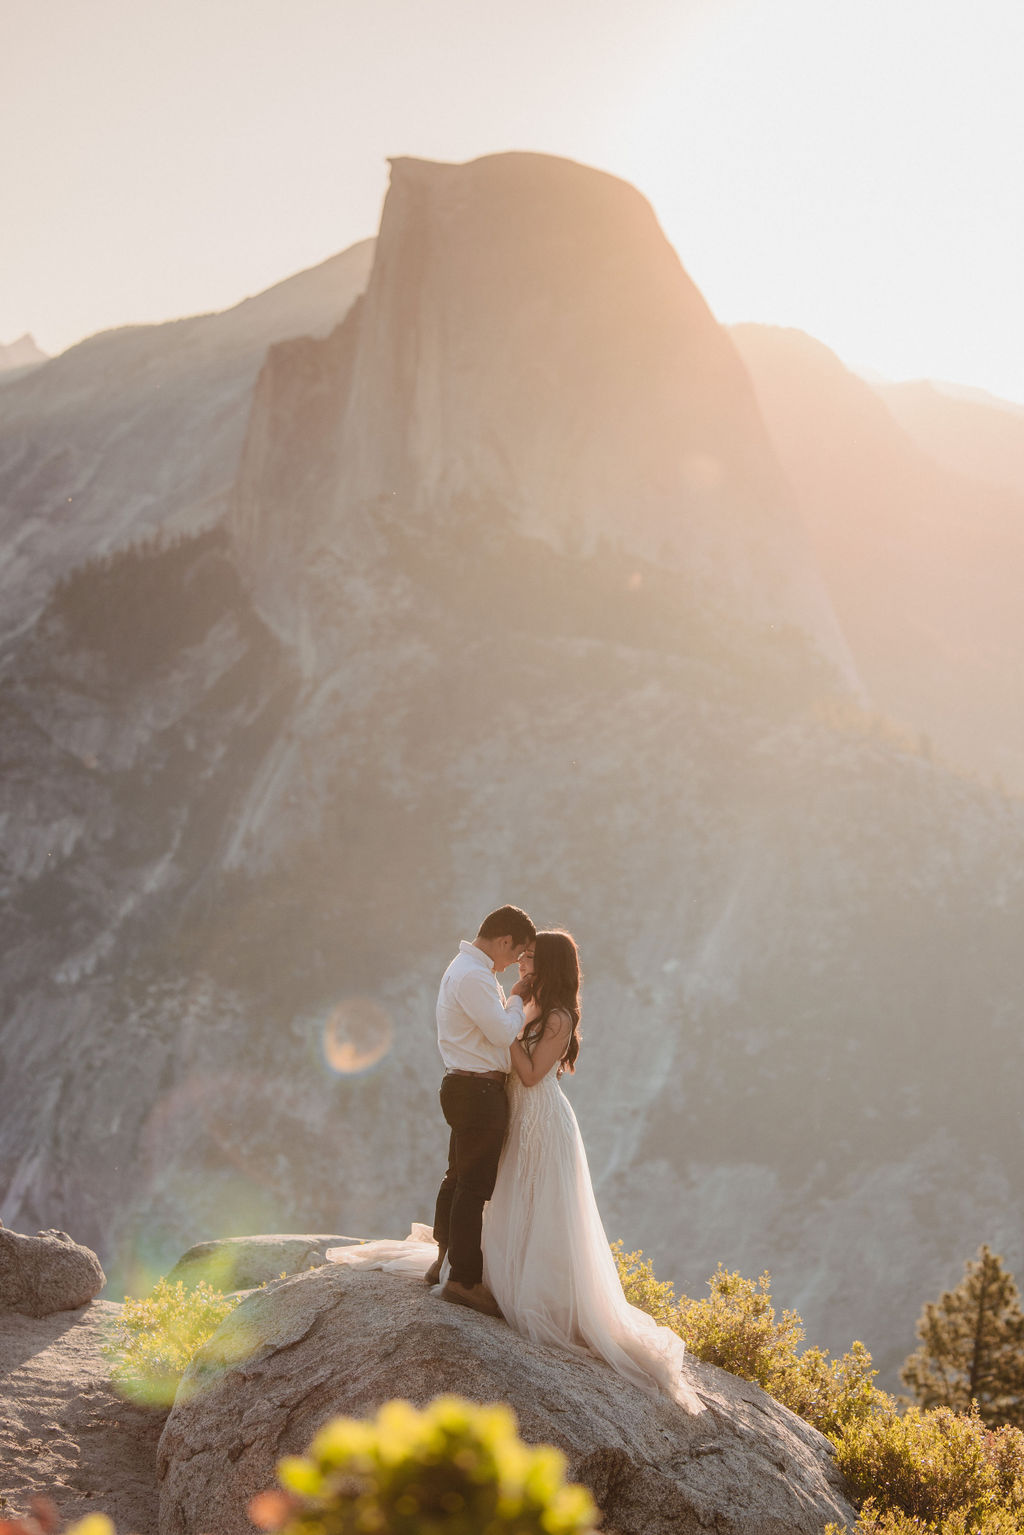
(508, 922)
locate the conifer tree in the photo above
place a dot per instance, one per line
(972, 1346)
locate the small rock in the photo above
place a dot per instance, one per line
(46, 1273)
(242, 1263)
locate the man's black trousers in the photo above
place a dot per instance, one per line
(476, 1108)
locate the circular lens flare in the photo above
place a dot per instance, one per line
(357, 1034)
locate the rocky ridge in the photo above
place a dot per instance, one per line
(137, 431)
(23, 353)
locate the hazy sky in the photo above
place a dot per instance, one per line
(851, 167)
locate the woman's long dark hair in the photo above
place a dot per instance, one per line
(556, 984)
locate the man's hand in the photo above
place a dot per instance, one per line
(523, 988)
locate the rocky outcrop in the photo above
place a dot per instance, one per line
(137, 431)
(242, 1263)
(23, 353)
(529, 346)
(46, 1273)
(65, 1433)
(342, 1342)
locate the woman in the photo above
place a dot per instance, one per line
(546, 1256)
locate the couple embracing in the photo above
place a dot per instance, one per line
(489, 1045)
(517, 1233)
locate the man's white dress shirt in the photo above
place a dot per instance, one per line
(475, 1024)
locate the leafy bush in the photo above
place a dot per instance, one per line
(154, 1340)
(895, 1522)
(452, 1468)
(929, 1464)
(736, 1328)
(655, 1296)
(932, 1472)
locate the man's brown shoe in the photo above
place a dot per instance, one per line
(477, 1297)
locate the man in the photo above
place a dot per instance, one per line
(475, 1027)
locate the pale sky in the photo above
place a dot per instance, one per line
(850, 167)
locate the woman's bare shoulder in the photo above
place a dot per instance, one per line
(559, 1020)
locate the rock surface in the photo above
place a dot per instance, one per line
(46, 1273)
(242, 1263)
(342, 1342)
(136, 431)
(64, 1432)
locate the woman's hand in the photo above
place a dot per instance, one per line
(547, 1052)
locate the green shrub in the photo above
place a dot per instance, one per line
(736, 1328)
(452, 1468)
(929, 1464)
(932, 1472)
(655, 1296)
(895, 1522)
(154, 1340)
(829, 1393)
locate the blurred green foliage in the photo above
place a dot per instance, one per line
(451, 1468)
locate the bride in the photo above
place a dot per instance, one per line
(546, 1256)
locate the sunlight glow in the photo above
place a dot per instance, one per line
(849, 168)
(852, 170)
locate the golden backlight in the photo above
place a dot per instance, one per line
(849, 167)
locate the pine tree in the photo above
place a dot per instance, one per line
(972, 1346)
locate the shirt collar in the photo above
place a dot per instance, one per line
(467, 947)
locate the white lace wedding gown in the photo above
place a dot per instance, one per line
(546, 1256)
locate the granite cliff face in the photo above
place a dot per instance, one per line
(506, 363)
(924, 562)
(138, 430)
(259, 779)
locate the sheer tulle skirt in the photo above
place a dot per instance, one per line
(546, 1256)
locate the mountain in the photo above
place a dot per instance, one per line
(502, 359)
(139, 429)
(977, 435)
(22, 353)
(922, 563)
(512, 600)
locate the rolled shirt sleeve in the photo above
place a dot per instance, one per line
(477, 993)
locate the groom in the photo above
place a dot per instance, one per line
(475, 1027)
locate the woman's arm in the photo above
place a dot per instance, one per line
(548, 1050)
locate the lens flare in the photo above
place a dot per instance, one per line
(357, 1034)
